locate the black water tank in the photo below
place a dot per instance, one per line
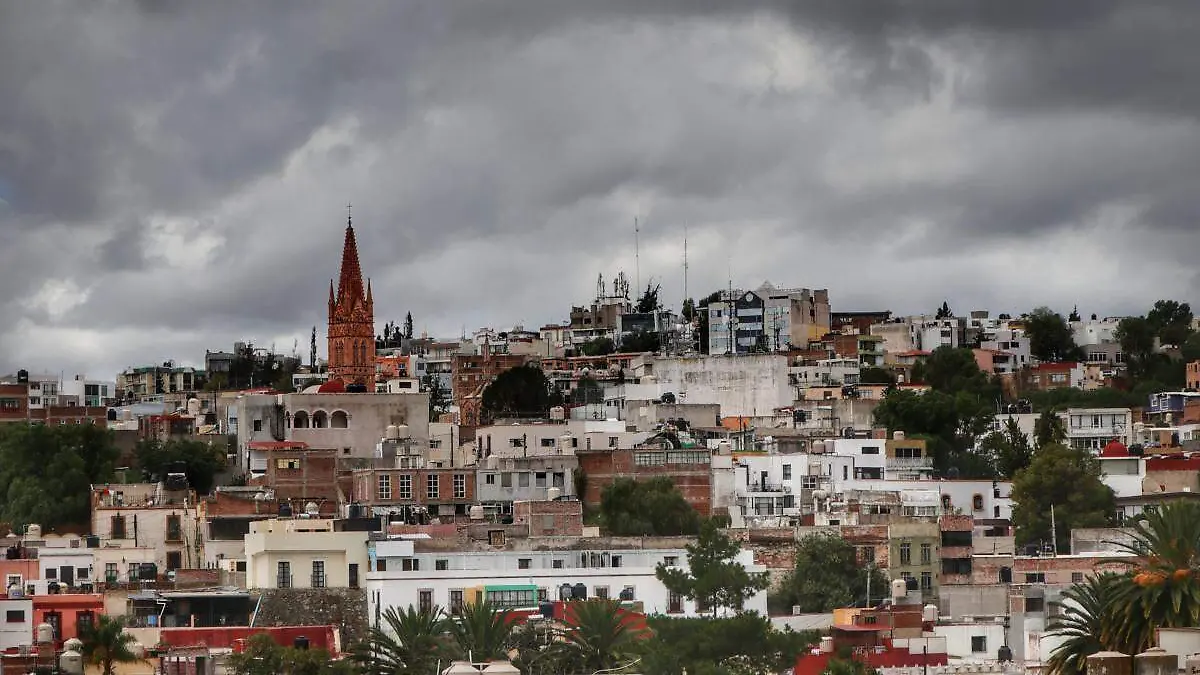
(301, 642)
(147, 572)
(579, 592)
(564, 592)
(92, 541)
(22, 376)
(355, 511)
(285, 510)
(1004, 654)
(546, 608)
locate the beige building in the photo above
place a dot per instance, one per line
(354, 422)
(144, 522)
(304, 553)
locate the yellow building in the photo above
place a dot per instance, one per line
(304, 553)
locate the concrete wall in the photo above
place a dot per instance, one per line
(955, 602)
(369, 416)
(751, 385)
(273, 541)
(341, 607)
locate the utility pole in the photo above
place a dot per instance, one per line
(637, 255)
(1053, 532)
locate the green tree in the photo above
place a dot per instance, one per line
(517, 392)
(46, 472)
(876, 375)
(587, 391)
(1087, 623)
(951, 371)
(649, 300)
(1068, 480)
(1049, 429)
(409, 641)
(1136, 336)
(828, 575)
(483, 630)
(600, 636)
(688, 312)
(600, 346)
(653, 507)
(742, 643)
(1050, 337)
(951, 424)
(263, 657)
(408, 326)
(839, 666)
(106, 644)
(1009, 449)
(640, 341)
(200, 461)
(715, 579)
(439, 396)
(1171, 321)
(944, 312)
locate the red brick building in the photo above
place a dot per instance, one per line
(444, 492)
(14, 407)
(559, 518)
(472, 373)
(299, 474)
(690, 469)
(351, 321)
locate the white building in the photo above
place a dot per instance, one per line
(825, 373)
(555, 438)
(1012, 342)
(304, 553)
(66, 560)
(153, 523)
(17, 628)
(748, 385)
(1094, 428)
(87, 392)
(520, 579)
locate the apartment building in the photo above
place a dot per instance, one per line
(736, 325)
(304, 553)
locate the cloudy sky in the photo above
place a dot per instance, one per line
(173, 176)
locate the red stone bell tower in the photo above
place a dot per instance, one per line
(351, 321)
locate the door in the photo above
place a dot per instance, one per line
(762, 480)
(353, 575)
(66, 574)
(174, 560)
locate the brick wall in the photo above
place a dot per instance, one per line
(316, 477)
(602, 468)
(550, 518)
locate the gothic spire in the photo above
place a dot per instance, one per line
(350, 283)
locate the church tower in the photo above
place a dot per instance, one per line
(351, 321)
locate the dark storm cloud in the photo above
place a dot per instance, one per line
(179, 170)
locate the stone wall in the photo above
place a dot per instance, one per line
(345, 608)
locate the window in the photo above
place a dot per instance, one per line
(1034, 604)
(524, 563)
(404, 486)
(670, 561)
(787, 471)
(808, 482)
(613, 441)
(425, 599)
(926, 581)
(432, 485)
(870, 450)
(174, 560)
(547, 442)
(489, 479)
(460, 486)
(82, 573)
(283, 574)
(978, 644)
(353, 574)
(174, 528)
(456, 601)
(258, 425)
(905, 554)
(384, 489)
(318, 574)
(866, 554)
(292, 463)
(926, 554)
(15, 616)
(11, 580)
(523, 479)
(1035, 577)
(1076, 577)
(539, 479)
(649, 458)
(410, 565)
(601, 592)
(84, 622)
(977, 502)
(118, 527)
(508, 599)
(506, 479)
(616, 561)
(441, 565)
(674, 603)
(557, 564)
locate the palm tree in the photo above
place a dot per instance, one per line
(1089, 622)
(410, 641)
(1165, 591)
(106, 644)
(482, 631)
(600, 635)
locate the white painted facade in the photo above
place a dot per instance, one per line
(87, 392)
(533, 440)
(1093, 428)
(825, 373)
(144, 515)
(304, 553)
(975, 641)
(1124, 475)
(445, 579)
(17, 627)
(71, 566)
(1013, 342)
(750, 385)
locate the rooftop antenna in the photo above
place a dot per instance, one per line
(637, 255)
(685, 265)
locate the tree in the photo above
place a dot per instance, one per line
(950, 370)
(654, 507)
(482, 630)
(106, 644)
(640, 341)
(1009, 449)
(715, 579)
(944, 312)
(876, 375)
(263, 657)
(198, 460)
(600, 346)
(1136, 336)
(1067, 480)
(46, 472)
(950, 423)
(410, 641)
(1171, 321)
(439, 396)
(688, 312)
(742, 643)
(1049, 429)
(1087, 623)
(517, 392)
(1050, 337)
(849, 666)
(649, 300)
(600, 636)
(587, 391)
(828, 575)
(408, 326)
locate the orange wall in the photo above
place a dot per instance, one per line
(28, 569)
(68, 607)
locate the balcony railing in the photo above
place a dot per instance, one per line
(769, 487)
(915, 462)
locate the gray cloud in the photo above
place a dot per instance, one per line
(178, 171)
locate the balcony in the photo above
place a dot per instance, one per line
(910, 462)
(769, 487)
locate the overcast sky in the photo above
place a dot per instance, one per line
(173, 176)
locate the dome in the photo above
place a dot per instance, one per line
(335, 386)
(1115, 449)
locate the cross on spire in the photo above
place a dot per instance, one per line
(349, 219)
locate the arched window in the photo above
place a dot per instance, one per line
(977, 502)
(320, 420)
(300, 420)
(339, 419)
(946, 503)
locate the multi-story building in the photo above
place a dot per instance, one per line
(913, 554)
(502, 482)
(1046, 376)
(1094, 428)
(736, 324)
(304, 553)
(151, 522)
(89, 393)
(690, 469)
(792, 316)
(415, 490)
(145, 382)
(472, 373)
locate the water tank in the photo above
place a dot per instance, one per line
(392, 433)
(897, 435)
(579, 592)
(820, 494)
(136, 648)
(818, 447)
(147, 571)
(1004, 654)
(899, 588)
(476, 512)
(33, 531)
(45, 633)
(546, 609)
(553, 494)
(724, 448)
(312, 510)
(492, 462)
(193, 407)
(501, 668)
(564, 442)
(826, 645)
(402, 431)
(126, 415)
(71, 662)
(929, 614)
(558, 413)
(461, 668)
(285, 510)
(74, 643)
